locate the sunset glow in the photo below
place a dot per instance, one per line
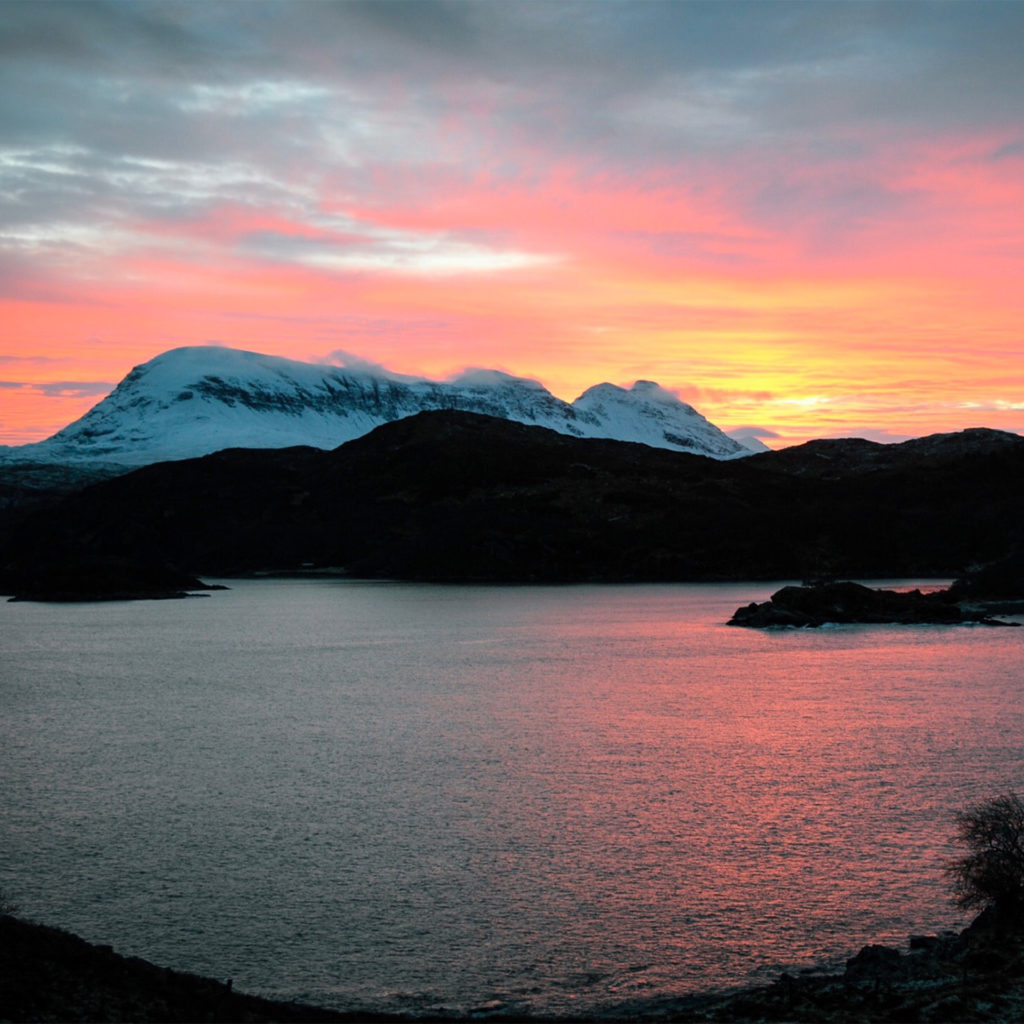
(807, 222)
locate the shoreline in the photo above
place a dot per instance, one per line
(974, 975)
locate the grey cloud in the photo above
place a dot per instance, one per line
(1009, 151)
(145, 37)
(751, 431)
(159, 110)
(75, 388)
(448, 25)
(551, 64)
(6, 360)
(61, 388)
(879, 434)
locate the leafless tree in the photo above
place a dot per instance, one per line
(991, 872)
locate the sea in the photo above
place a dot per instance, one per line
(585, 800)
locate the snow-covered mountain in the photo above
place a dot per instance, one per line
(192, 401)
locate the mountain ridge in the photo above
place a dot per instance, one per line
(192, 401)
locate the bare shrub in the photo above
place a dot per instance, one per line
(991, 873)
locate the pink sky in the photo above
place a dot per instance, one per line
(806, 226)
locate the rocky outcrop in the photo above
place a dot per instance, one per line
(847, 602)
(90, 579)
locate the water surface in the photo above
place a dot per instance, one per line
(543, 799)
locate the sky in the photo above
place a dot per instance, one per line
(807, 219)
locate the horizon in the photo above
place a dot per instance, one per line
(805, 220)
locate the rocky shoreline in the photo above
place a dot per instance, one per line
(975, 975)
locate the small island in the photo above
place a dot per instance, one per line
(821, 603)
(974, 599)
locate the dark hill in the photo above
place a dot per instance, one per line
(458, 496)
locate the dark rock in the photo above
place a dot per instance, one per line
(92, 579)
(874, 961)
(852, 602)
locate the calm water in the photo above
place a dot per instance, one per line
(556, 800)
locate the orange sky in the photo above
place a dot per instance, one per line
(805, 247)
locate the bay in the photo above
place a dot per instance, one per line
(557, 800)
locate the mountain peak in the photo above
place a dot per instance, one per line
(639, 391)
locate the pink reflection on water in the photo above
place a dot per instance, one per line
(787, 797)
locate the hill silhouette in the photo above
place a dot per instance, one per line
(459, 497)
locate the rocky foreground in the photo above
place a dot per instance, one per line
(976, 975)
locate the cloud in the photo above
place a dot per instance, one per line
(751, 431)
(415, 252)
(6, 360)
(992, 405)
(75, 388)
(696, 395)
(878, 434)
(626, 82)
(1009, 151)
(122, 120)
(61, 388)
(359, 364)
